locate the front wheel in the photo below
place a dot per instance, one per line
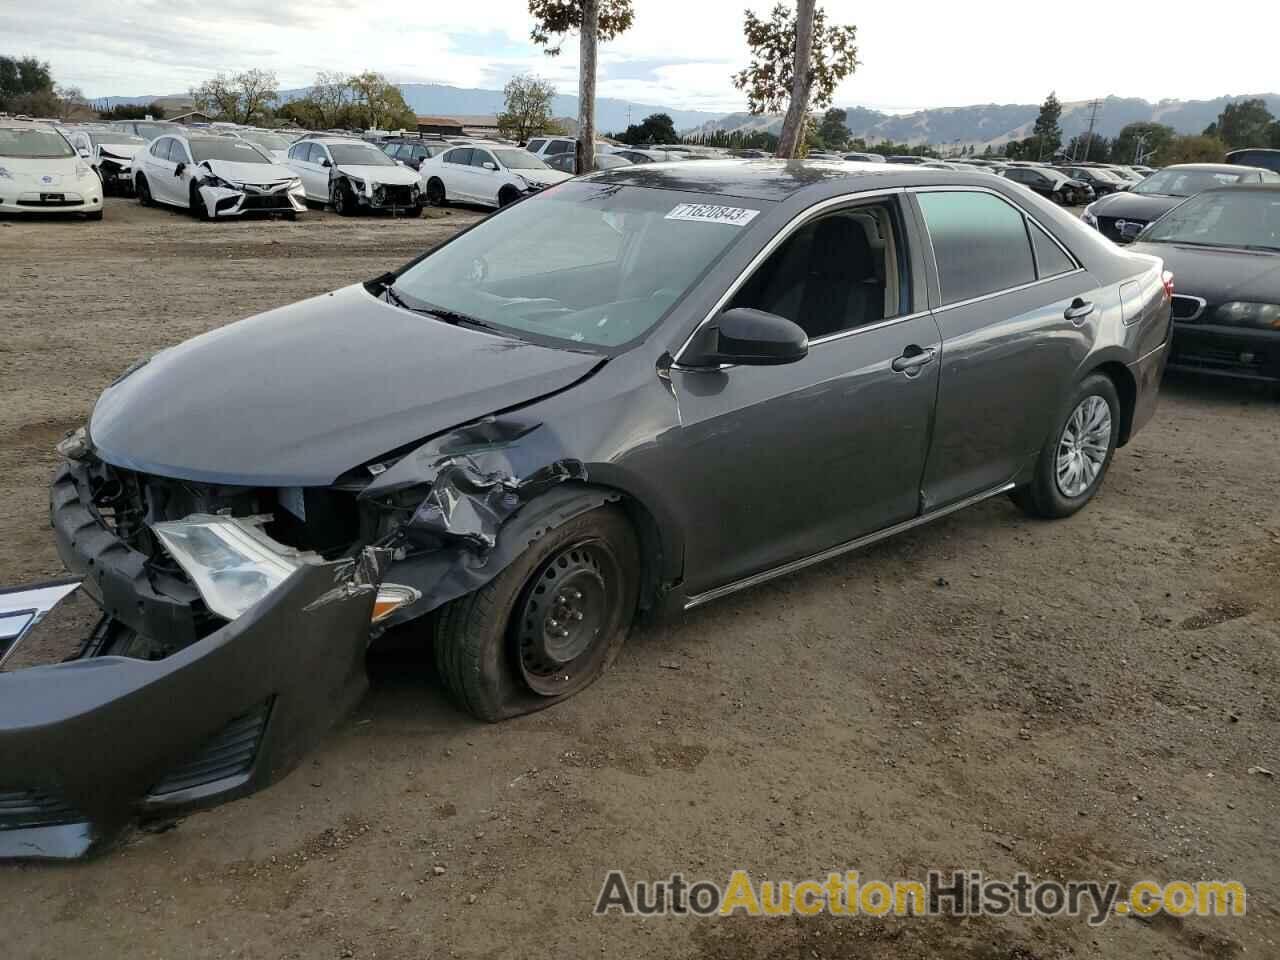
(196, 204)
(1074, 461)
(548, 625)
(143, 190)
(344, 201)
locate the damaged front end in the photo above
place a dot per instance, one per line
(200, 684)
(224, 196)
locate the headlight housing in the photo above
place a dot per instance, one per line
(1242, 313)
(234, 564)
(5, 174)
(83, 169)
(1089, 218)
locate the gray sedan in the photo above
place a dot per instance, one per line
(643, 390)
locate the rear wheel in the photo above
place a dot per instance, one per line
(548, 625)
(143, 190)
(435, 192)
(1074, 461)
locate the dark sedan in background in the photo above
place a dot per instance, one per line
(1099, 179)
(1224, 248)
(1052, 184)
(1121, 217)
(643, 390)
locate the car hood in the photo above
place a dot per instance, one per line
(1219, 276)
(43, 172)
(255, 173)
(1127, 205)
(299, 395)
(543, 178)
(395, 175)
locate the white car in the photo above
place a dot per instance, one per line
(41, 172)
(111, 153)
(272, 143)
(215, 176)
(354, 175)
(494, 176)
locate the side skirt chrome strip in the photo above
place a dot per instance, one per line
(757, 578)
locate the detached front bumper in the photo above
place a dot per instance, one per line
(94, 745)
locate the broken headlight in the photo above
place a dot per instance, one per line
(234, 564)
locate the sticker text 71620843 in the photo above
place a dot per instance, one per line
(711, 213)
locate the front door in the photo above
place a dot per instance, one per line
(780, 463)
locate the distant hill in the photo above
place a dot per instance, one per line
(994, 124)
(437, 99)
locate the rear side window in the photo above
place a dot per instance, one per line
(535, 145)
(462, 155)
(560, 146)
(980, 244)
(1050, 260)
(160, 149)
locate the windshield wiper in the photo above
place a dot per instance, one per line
(386, 284)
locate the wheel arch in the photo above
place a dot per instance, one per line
(1126, 388)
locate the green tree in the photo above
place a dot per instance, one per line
(125, 111)
(330, 98)
(654, 129)
(1097, 149)
(528, 107)
(770, 80)
(1193, 149)
(378, 104)
(1145, 139)
(22, 78)
(244, 97)
(1047, 134)
(1245, 123)
(832, 129)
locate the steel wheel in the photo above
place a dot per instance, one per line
(1083, 446)
(562, 617)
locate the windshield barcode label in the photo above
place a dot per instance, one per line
(710, 213)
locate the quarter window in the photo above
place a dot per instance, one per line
(979, 242)
(160, 149)
(1050, 260)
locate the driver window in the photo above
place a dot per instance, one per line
(838, 272)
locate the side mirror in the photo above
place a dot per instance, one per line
(84, 152)
(490, 165)
(748, 337)
(325, 162)
(177, 171)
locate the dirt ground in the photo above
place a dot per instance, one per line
(1080, 699)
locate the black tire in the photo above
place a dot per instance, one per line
(196, 205)
(344, 201)
(415, 212)
(435, 193)
(1045, 495)
(143, 190)
(291, 215)
(493, 648)
(508, 195)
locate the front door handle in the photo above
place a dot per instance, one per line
(1078, 310)
(912, 359)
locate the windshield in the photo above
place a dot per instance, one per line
(519, 160)
(33, 143)
(584, 263)
(116, 139)
(1226, 218)
(268, 141)
(1187, 183)
(359, 153)
(150, 130)
(226, 149)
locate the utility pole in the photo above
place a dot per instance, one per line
(1093, 118)
(587, 86)
(1139, 147)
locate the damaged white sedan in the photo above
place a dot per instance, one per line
(215, 177)
(354, 176)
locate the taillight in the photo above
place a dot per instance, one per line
(1167, 279)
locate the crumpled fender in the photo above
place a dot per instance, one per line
(490, 489)
(94, 745)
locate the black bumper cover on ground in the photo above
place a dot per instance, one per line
(92, 746)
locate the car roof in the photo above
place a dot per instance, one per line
(779, 179)
(1266, 187)
(1213, 167)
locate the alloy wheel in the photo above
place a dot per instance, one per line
(1083, 446)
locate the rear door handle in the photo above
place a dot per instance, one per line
(912, 359)
(1078, 310)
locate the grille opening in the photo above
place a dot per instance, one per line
(34, 808)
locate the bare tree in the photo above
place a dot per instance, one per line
(597, 21)
(241, 98)
(528, 107)
(331, 93)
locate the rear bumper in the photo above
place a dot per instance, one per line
(1147, 374)
(1239, 353)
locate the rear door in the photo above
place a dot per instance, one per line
(160, 169)
(1002, 288)
(455, 171)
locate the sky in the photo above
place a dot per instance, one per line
(679, 53)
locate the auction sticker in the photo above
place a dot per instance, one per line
(710, 213)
